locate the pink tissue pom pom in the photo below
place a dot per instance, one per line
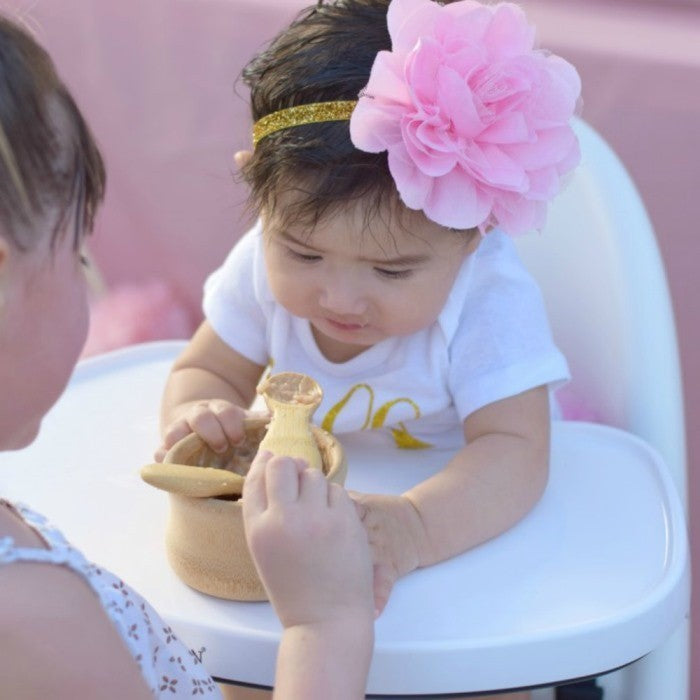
(474, 118)
(136, 313)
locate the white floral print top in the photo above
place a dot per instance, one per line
(168, 668)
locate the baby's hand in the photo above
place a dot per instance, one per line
(219, 423)
(396, 536)
(308, 544)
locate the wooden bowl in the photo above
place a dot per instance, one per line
(204, 539)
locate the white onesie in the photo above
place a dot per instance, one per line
(491, 340)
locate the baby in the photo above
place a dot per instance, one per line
(396, 146)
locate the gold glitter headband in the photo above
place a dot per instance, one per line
(313, 113)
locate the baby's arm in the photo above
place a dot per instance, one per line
(207, 392)
(483, 490)
(312, 554)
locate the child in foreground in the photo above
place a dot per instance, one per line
(396, 146)
(69, 629)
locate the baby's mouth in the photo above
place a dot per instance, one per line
(346, 325)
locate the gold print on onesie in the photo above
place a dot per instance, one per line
(329, 420)
(402, 437)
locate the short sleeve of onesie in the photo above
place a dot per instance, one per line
(500, 340)
(234, 300)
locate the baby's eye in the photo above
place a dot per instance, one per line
(393, 274)
(84, 260)
(304, 257)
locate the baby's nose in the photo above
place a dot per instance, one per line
(343, 297)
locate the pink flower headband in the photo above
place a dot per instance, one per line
(475, 120)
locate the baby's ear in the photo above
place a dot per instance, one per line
(242, 158)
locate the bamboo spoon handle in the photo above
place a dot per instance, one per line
(292, 398)
(200, 482)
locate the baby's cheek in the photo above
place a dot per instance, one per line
(409, 320)
(281, 284)
(290, 291)
(410, 313)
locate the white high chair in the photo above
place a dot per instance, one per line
(445, 631)
(603, 280)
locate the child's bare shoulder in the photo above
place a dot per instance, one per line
(57, 641)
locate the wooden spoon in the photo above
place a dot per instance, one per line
(187, 480)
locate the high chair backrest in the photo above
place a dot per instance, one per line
(603, 280)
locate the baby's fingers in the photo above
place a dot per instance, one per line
(360, 507)
(173, 434)
(204, 420)
(384, 580)
(230, 419)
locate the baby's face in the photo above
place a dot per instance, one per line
(359, 284)
(43, 325)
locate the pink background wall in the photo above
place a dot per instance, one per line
(156, 80)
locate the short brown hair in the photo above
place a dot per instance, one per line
(325, 54)
(48, 157)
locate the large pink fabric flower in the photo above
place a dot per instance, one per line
(474, 119)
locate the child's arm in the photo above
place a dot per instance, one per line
(57, 641)
(482, 491)
(207, 392)
(312, 554)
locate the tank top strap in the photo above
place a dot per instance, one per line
(57, 551)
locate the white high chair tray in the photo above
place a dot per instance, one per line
(596, 576)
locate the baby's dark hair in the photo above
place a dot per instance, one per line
(49, 163)
(326, 54)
